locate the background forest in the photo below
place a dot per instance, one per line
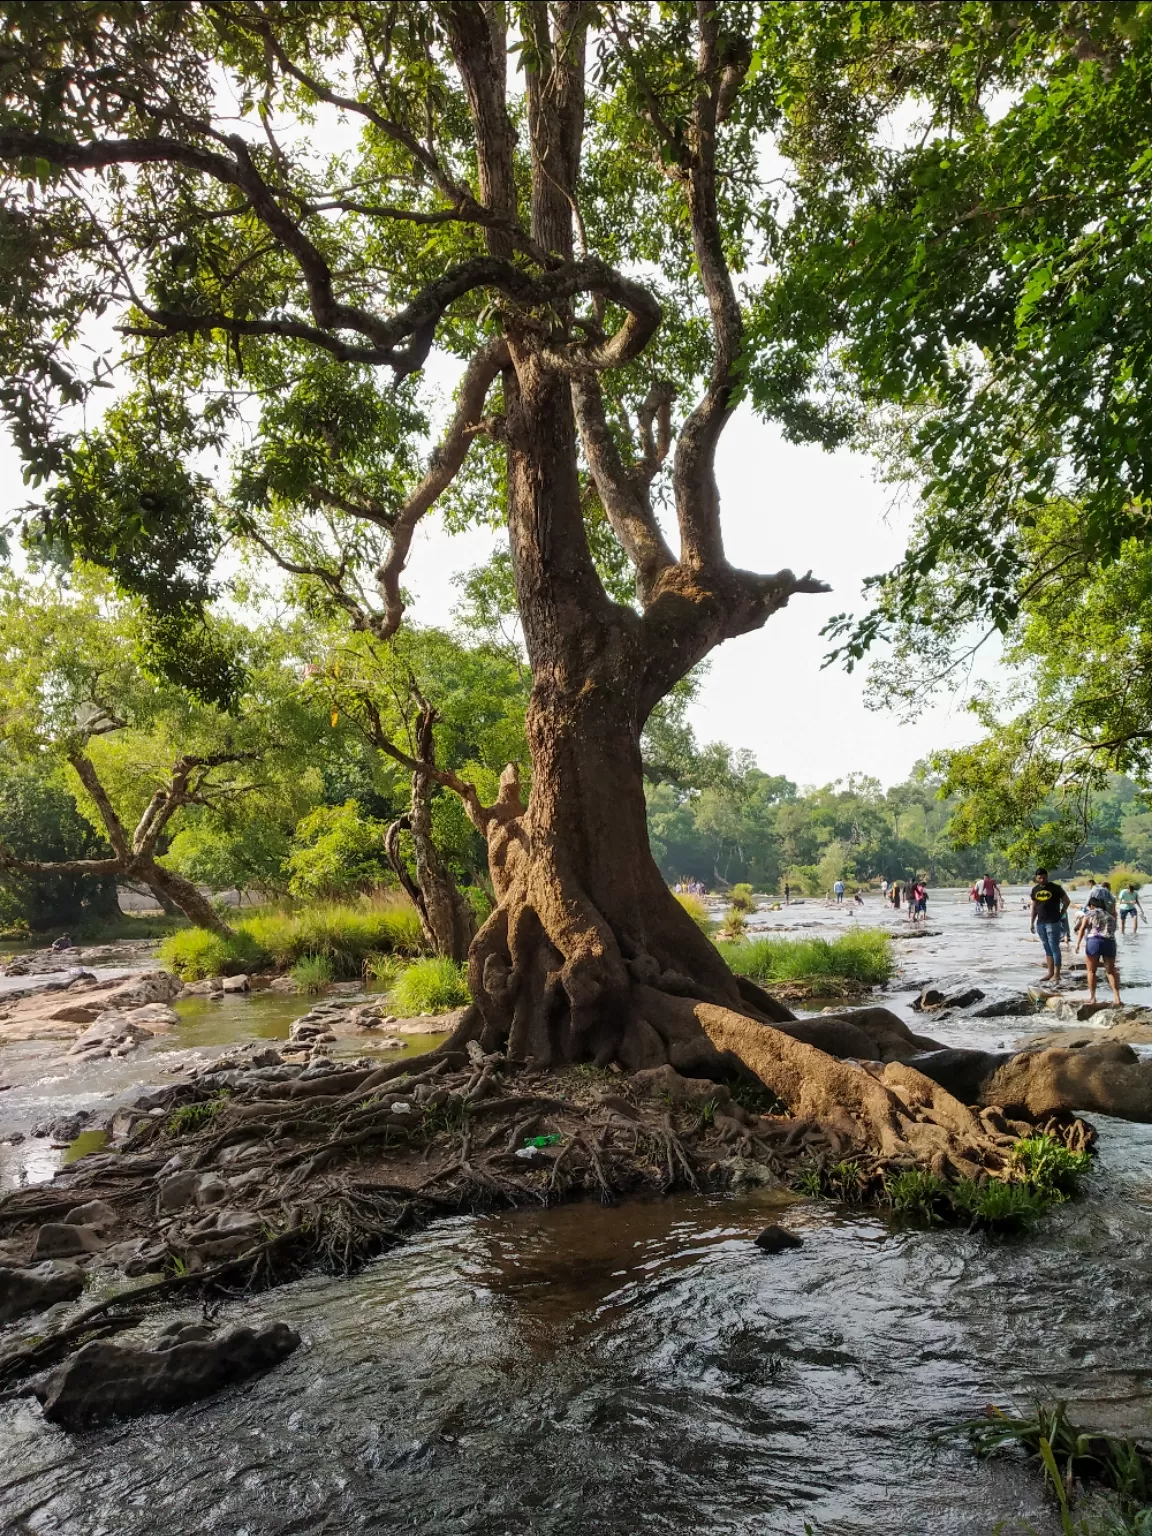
(300, 804)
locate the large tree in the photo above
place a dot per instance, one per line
(276, 203)
(507, 231)
(965, 286)
(82, 703)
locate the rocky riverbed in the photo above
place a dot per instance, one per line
(536, 1370)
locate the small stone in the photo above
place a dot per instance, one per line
(179, 1190)
(777, 1240)
(211, 1190)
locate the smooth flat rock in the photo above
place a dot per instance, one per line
(104, 1381)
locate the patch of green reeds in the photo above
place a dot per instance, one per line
(862, 955)
(429, 986)
(312, 973)
(343, 933)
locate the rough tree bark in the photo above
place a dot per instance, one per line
(587, 938)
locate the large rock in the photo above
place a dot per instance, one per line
(1006, 1007)
(111, 1034)
(933, 1000)
(1136, 1030)
(1074, 1012)
(151, 987)
(65, 1240)
(34, 1289)
(103, 1381)
(964, 1074)
(1108, 1078)
(153, 1016)
(74, 1013)
(1104, 1077)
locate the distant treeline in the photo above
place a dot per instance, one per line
(747, 825)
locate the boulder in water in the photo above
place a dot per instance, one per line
(103, 1381)
(776, 1239)
(39, 1286)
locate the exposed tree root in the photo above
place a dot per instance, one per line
(241, 1179)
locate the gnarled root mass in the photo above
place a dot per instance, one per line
(258, 1170)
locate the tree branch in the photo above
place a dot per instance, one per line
(697, 495)
(87, 775)
(624, 491)
(445, 464)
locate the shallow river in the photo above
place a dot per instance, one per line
(645, 1369)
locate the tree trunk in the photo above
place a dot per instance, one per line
(445, 917)
(587, 934)
(447, 920)
(169, 887)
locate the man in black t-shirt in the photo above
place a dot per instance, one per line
(1049, 904)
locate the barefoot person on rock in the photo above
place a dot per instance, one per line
(1049, 904)
(1097, 930)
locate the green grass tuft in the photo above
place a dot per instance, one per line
(1049, 1166)
(194, 953)
(917, 1192)
(863, 955)
(385, 968)
(312, 973)
(430, 986)
(193, 1117)
(741, 899)
(344, 933)
(696, 910)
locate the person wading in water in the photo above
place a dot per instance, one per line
(1049, 904)
(1097, 930)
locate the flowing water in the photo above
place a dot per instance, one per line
(646, 1369)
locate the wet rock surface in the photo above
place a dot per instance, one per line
(187, 1362)
(777, 1239)
(35, 1287)
(99, 1015)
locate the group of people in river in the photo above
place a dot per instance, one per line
(914, 893)
(987, 896)
(1095, 927)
